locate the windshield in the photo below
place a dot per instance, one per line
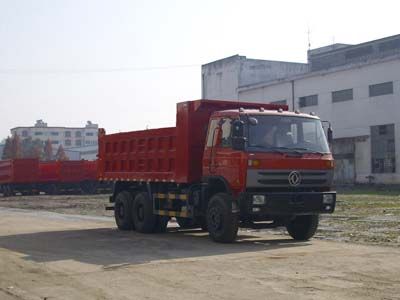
(286, 134)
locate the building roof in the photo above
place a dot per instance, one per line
(340, 58)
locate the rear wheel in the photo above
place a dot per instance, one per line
(122, 211)
(142, 214)
(221, 222)
(52, 189)
(302, 228)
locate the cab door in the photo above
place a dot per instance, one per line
(222, 160)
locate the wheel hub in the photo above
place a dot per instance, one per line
(140, 213)
(215, 218)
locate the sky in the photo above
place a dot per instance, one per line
(125, 64)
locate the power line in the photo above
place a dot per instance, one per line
(82, 71)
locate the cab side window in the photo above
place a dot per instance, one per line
(226, 127)
(211, 137)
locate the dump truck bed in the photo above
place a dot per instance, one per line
(19, 170)
(166, 154)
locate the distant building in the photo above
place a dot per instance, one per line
(356, 87)
(222, 78)
(84, 152)
(81, 140)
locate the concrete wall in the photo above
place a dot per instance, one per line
(349, 118)
(255, 71)
(221, 79)
(277, 92)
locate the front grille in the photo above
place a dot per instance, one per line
(280, 178)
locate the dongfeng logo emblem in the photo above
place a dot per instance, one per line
(294, 178)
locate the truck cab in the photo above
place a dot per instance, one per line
(275, 164)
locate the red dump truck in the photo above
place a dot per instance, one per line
(31, 176)
(226, 164)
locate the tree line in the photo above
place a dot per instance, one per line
(14, 147)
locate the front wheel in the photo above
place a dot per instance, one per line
(222, 224)
(302, 228)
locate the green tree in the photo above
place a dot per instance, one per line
(60, 155)
(7, 154)
(37, 149)
(27, 148)
(48, 150)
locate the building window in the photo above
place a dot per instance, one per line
(308, 100)
(54, 133)
(78, 134)
(383, 150)
(343, 95)
(89, 134)
(67, 134)
(67, 142)
(24, 133)
(381, 89)
(38, 133)
(78, 143)
(279, 102)
(55, 142)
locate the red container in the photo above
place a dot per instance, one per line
(166, 154)
(24, 170)
(71, 171)
(90, 169)
(48, 171)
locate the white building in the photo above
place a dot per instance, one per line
(356, 87)
(78, 142)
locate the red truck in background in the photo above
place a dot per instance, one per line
(225, 164)
(31, 176)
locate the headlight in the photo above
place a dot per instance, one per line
(328, 199)
(259, 199)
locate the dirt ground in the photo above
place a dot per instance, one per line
(366, 216)
(46, 255)
(67, 247)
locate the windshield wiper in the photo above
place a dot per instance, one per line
(271, 149)
(307, 150)
(281, 150)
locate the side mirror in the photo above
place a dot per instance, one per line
(238, 139)
(329, 132)
(330, 135)
(237, 128)
(238, 143)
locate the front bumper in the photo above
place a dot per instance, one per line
(295, 203)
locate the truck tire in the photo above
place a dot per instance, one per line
(52, 189)
(302, 228)
(186, 223)
(122, 211)
(222, 224)
(142, 214)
